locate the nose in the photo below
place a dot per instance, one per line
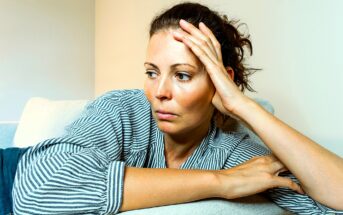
(164, 91)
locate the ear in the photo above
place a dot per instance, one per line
(230, 71)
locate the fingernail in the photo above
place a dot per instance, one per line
(302, 191)
(203, 25)
(183, 21)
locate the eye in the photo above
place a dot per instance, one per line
(151, 74)
(183, 76)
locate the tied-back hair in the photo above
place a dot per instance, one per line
(232, 42)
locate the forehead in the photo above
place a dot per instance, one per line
(163, 48)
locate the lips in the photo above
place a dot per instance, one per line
(165, 112)
(164, 115)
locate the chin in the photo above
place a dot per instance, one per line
(168, 127)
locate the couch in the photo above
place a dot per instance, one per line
(42, 119)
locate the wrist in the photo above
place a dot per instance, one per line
(236, 182)
(224, 184)
(215, 185)
(246, 109)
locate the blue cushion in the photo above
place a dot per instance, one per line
(7, 131)
(9, 159)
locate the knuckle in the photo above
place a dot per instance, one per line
(290, 183)
(255, 158)
(261, 167)
(201, 54)
(197, 50)
(217, 45)
(268, 176)
(263, 160)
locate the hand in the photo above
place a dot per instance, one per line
(206, 47)
(254, 176)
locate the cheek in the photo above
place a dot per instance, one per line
(148, 90)
(195, 99)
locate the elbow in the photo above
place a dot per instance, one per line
(336, 204)
(330, 198)
(24, 201)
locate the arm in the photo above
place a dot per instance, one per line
(318, 170)
(74, 173)
(74, 180)
(144, 188)
(249, 154)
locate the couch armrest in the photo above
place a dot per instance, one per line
(256, 204)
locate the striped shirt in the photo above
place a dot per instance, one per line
(82, 172)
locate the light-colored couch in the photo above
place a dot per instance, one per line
(42, 119)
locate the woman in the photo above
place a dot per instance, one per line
(132, 149)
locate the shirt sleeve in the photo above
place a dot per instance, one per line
(283, 197)
(78, 173)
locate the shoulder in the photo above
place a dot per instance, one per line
(123, 95)
(127, 105)
(130, 99)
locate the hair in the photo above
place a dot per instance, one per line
(231, 40)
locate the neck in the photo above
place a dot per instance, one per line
(181, 146)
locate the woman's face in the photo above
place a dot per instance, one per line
(177, 86)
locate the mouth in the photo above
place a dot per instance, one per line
(164, 115)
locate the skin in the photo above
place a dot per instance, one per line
(177, 82)
(318, 170)
(313, 165)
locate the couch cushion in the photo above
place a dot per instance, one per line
(43, 119)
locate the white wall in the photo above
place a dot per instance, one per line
(46, 49)
(296, 43)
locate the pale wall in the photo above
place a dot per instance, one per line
(121, 36)
(297, 43)
(46, 49)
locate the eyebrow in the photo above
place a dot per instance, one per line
(173, 66)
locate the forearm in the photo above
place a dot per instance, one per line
(146, 187)
(318, 170)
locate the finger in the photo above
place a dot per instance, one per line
(271, 157)
(268, 163)
(198, 35)
(213, 39)
(264, 159)
(200, 53)
(203, 45)
(277, 166)
(281, 170)
(286, 182)
(196, 32)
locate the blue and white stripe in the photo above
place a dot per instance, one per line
(82, 172)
